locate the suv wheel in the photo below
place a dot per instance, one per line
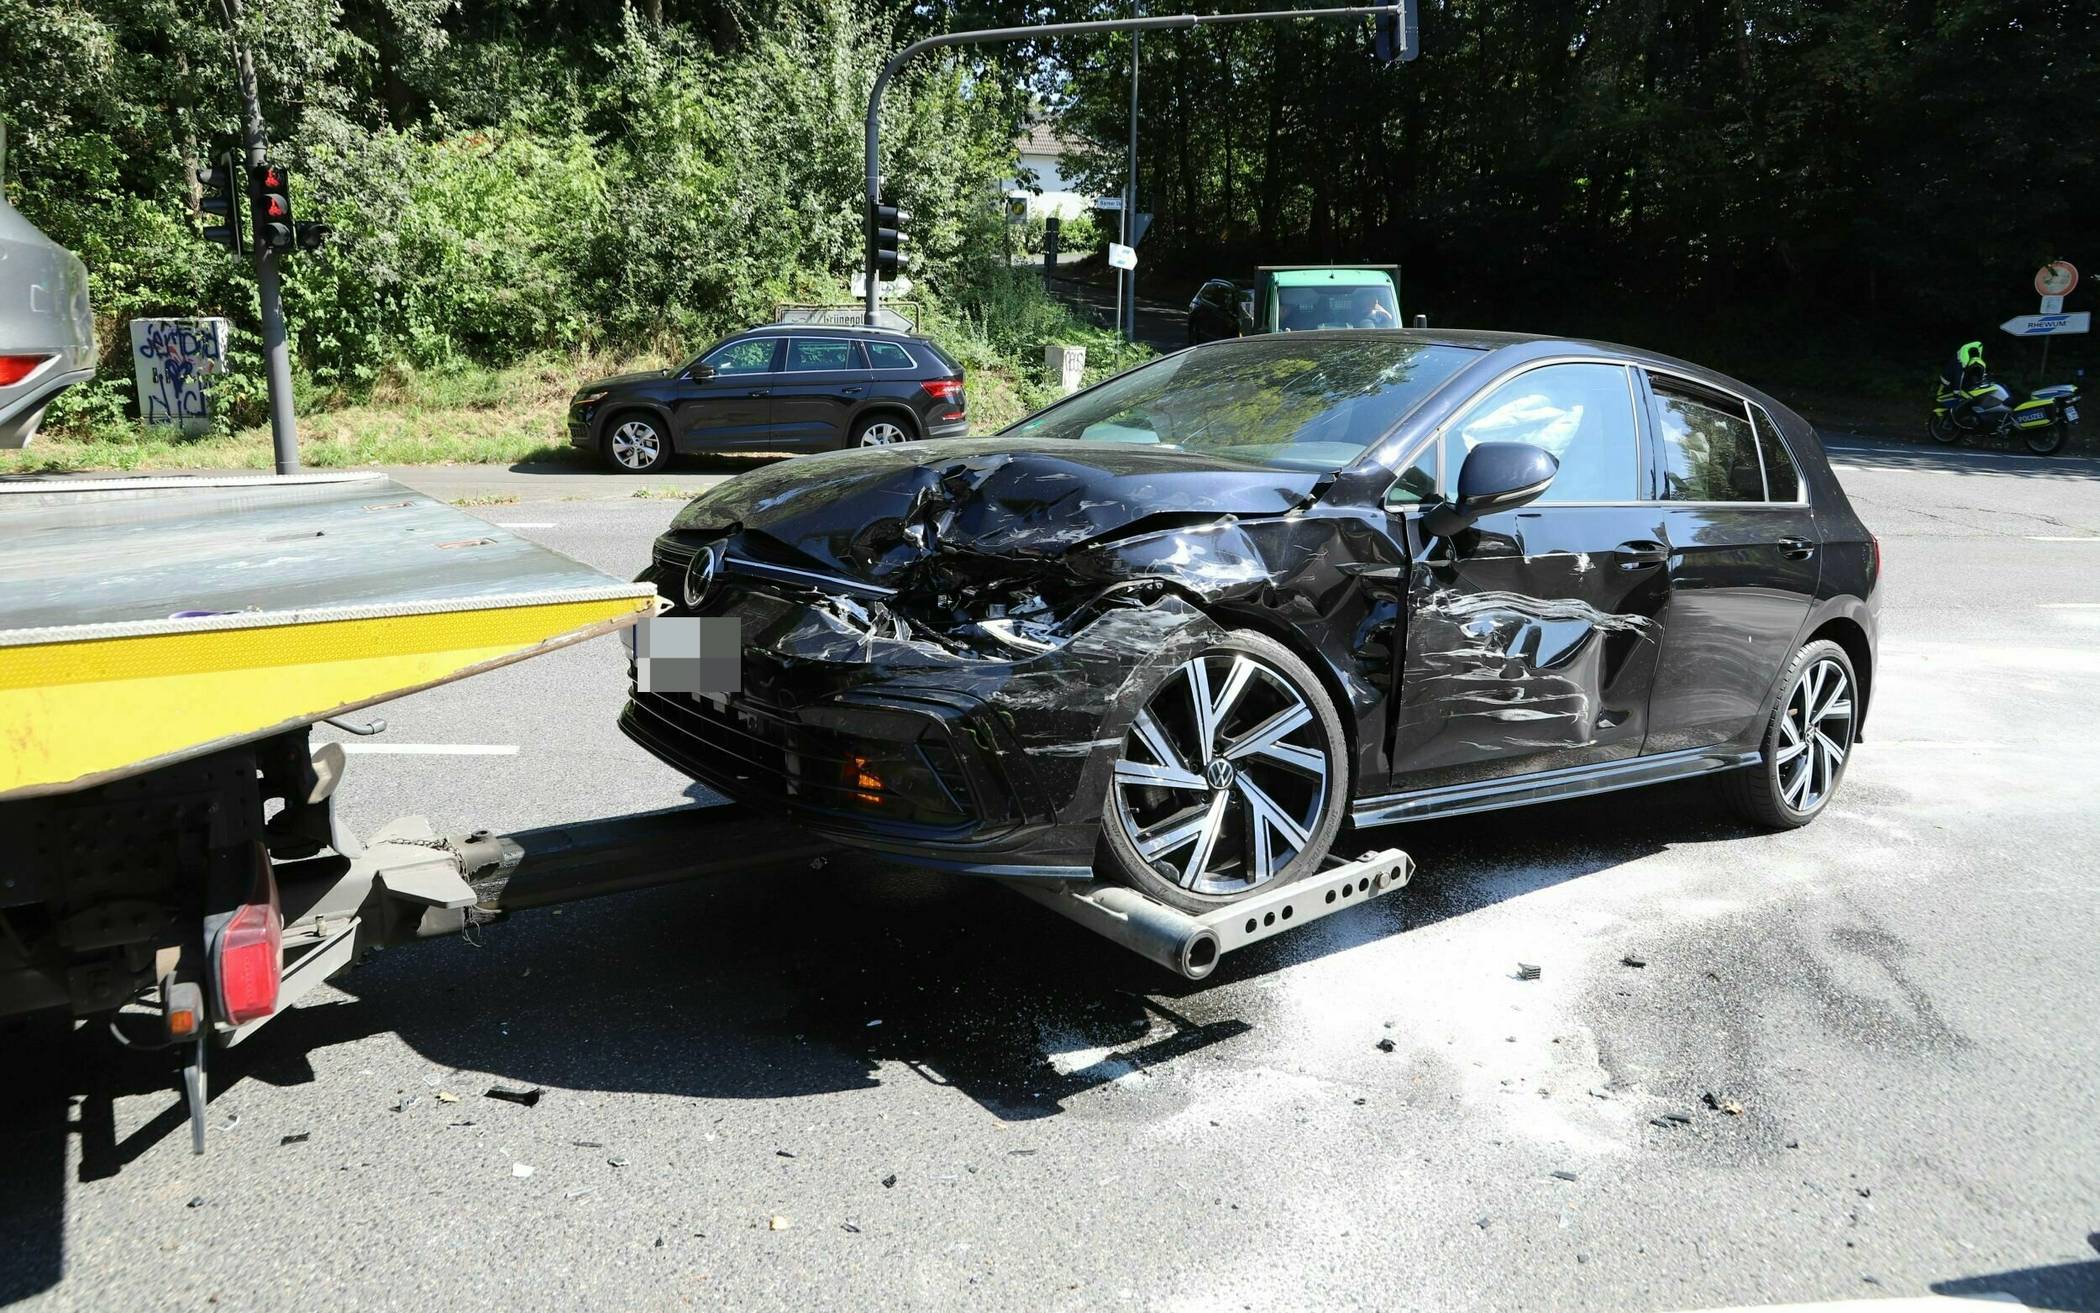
(879, 431)
(635, 444)
(1231, 779)
(1806, 743)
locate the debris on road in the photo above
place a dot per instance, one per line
(1386, 1045)
(520, 1170)
(850, 1228)
(1632, 961)
(446, 1096)
(778, 1223)
(508, 1095)
(296, 1137)
(889, 1182)
(616, 1162)
(403, 1105)
(585, 1144)
(1563, 1174)
(1719, 1104)
(196, 1201)
(1528, 971)
(783, 1153)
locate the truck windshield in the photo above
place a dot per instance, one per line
(1303, 404)
(1365, 306)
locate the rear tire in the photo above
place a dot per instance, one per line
(880, 431)
(1806, 743)
(636, 443)
(1200, 818)
(2048, 441)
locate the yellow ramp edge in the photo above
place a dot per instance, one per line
(77, 713)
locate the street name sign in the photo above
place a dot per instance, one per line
(2077, 321)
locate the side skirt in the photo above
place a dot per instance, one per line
(1545, 786)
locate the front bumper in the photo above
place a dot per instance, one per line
(987, 766)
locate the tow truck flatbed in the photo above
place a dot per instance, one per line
(150, 621)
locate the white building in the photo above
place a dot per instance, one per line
(1048, 191)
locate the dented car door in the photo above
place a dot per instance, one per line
(1533, 635)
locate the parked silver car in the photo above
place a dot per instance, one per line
(47, 332)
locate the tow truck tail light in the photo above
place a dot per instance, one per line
(249, 957)
(943, 389)
(13, 369)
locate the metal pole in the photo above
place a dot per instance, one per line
(1126, 311)
(277, 359)
(872, 135)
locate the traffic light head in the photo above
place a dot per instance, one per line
(1397, 33)
(270, 206)
(886, 239)
(219, 200)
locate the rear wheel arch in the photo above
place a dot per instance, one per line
(887, 410)
(1847, 634)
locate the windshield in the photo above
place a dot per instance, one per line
(1288, 403)
(1329, 306)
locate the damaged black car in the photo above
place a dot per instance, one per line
(1182, 628)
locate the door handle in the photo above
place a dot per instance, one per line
(853, 391)
(1796, 549)
(1642, 553)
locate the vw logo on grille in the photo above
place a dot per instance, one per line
(700, 574)
(1219, 774)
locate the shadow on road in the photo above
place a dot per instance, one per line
(2069, 1287)
(1880, 454)
(753, 988)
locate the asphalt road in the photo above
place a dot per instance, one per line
(952, 1098)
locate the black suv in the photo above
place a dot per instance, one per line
(782, 387)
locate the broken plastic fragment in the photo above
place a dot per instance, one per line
(508, 1095)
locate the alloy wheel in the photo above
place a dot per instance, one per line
(1814, 736)
(1223, 775)
(636, 445)
(882, 433)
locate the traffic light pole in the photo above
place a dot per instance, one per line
(277, 358)
(993, 35)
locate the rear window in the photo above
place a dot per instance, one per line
(1709, 451)
(1288, 403)
(809, 355)
(887, 355)
(1782, 481)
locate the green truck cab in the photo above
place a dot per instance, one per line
(1296, 297)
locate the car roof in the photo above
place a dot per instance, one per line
(829, 330)
(1511, 349)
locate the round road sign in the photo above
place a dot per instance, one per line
(2056, 278)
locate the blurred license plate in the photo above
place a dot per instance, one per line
(687, 654)
(2071, 414)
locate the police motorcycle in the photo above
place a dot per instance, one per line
(1969, 404)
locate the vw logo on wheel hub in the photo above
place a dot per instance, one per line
(1219, 774)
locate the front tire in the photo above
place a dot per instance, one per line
(2048, 441)
(1232, 778)
(636, 444)
(1942, 429)
(1806, 744)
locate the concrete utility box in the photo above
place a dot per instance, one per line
(1066, 366)
(174, 358)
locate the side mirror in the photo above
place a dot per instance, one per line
(1497, 476)
(700, 373)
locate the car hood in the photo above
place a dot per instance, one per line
(624, 380)
(876, 513)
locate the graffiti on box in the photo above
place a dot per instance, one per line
(174, 357)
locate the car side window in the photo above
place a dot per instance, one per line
(753, 355)
(1582, 413)
(887, 355)
(1782, 480)
(813, 355)
(1417, 483)
(1709, 451)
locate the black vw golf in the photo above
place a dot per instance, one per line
(1183, 627)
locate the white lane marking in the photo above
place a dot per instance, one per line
(2069, 606)
(435, 749)
(2063, 538)
(525, 524)
(1997, 1301)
